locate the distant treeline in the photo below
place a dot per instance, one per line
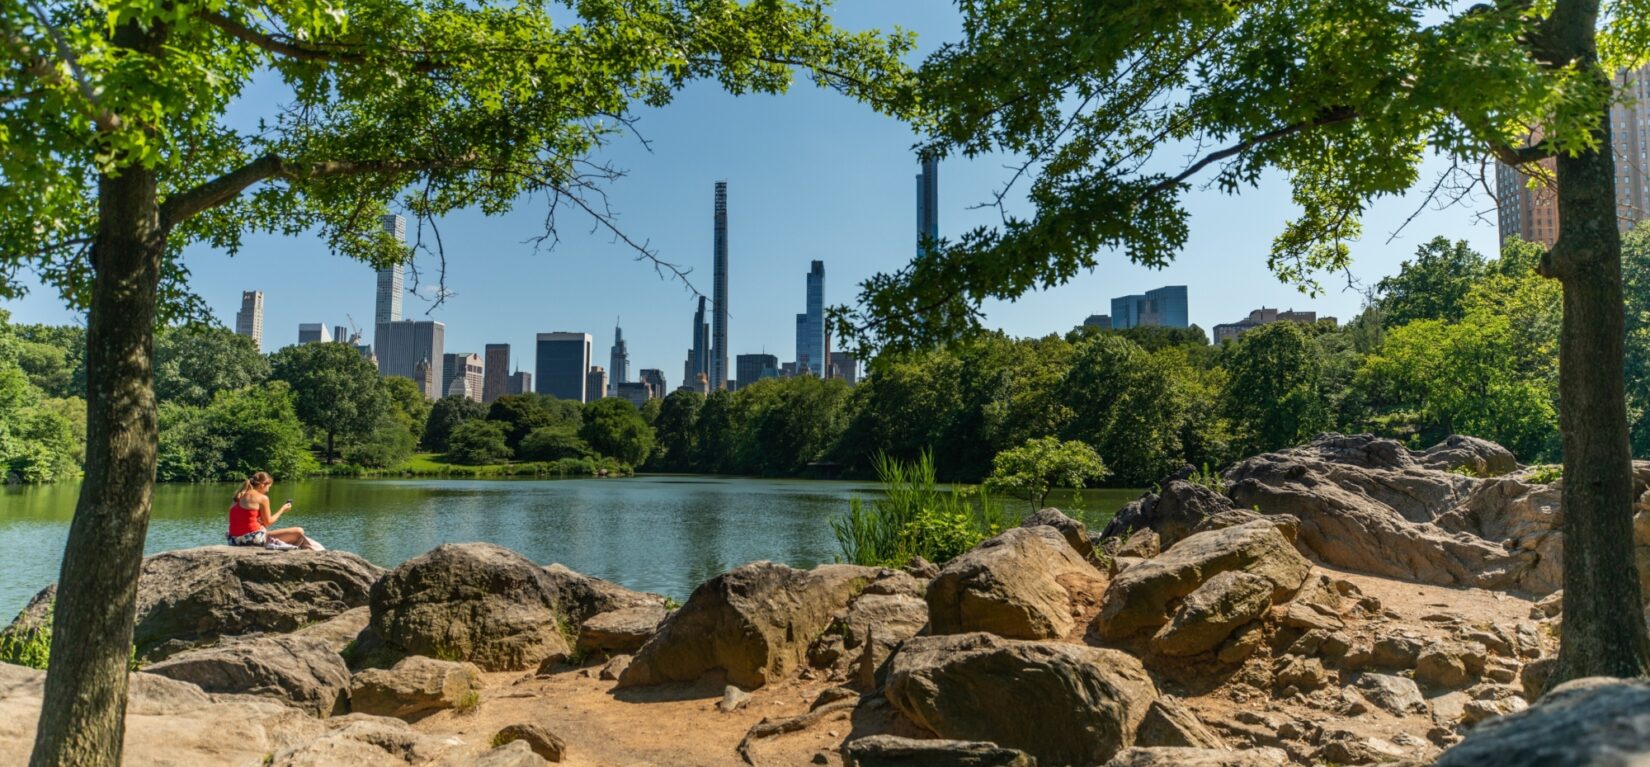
(1455, 342)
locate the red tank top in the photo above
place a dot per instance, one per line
(242, 520)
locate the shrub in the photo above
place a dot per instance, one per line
(477, 443)
(553, 443)
(915, 517)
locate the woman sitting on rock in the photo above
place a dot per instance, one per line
(250, 517)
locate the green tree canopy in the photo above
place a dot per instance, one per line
(1432, 287)
(446, 414)
(553, 443)
(676, 430)
(1126, 406)
(194, 363)
(339, 396)
(1274, 396)
(1034, 469)
(614, 428)
(478, 443)
(240, 432)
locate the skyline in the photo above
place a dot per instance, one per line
(816, 177)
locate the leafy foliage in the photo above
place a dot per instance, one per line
(1274, 397)
(447, 413)
(478, 443)
(339, 393)
(240, 432)
(613, 427)
(915, 517)
(1031, 471)
(194, 363)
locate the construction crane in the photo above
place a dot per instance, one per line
(354, 329)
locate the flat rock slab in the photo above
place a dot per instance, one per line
(299, 671)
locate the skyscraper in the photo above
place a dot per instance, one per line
(563, 365)
(404, 346)
(1166, 307)
(847, 367)
(521, 382)
(249, 321)
(655, 378)
(388, 307)
(461, 375)
(313, 333)
(595, 384)
(618, 363)
(810, 326)
(719, 365)
(1532, 214)
(496, 377)
(698, 359)
(755, 367)
(928, 202)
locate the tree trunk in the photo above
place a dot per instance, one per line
(82, 717)
(1603, 631)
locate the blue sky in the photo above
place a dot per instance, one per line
(811, 175)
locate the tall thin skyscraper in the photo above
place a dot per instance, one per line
(698, 359)
(810, 325)
(249, 321)
(618, 362)
(496, 375)
(928, 202)
(719, 325)
(387, 307)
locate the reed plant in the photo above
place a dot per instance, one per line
(915, 516)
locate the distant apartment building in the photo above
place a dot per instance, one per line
(314, 333)
(635, 392)
(755, 367)
(462, 375)
(595, 385)
(845, 367)
(404, 345)
(495, 380)
(1164, 307)
(249, 321)
(1101, 321)
(562, 365)
(521, 382)
(655, 378)
(1532, 213)
(1262, 316)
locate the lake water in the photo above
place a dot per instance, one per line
(658, 533)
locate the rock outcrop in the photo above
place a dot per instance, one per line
(894, 751)
(580, 597)
(1200, 757)
(1074, 531)
(1010, 585)
(194, 596)
(1140, 597)
(624, 630)
(1173, 513)
(1212, 612)
(1059, 703)
(415, 687)
(1593, 722)
(754, 623)
(473, 601)
(300, 671)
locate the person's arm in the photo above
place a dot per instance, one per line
(269, 519)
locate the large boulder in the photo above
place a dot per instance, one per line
(414, 688)
(1594, 722)
(194, 596)
(1369, 504)
(1140, 597)
(1010, 585)
(1481, 457)
(754, 623)
(301, 671)
(473, 601)
(169, 722)
(1074, 531)
(1212, 612)
(624, 630)
(895, 751)
(1060, 703)
(1174, 512)
(580, 597)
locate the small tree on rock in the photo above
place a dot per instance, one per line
(1034, 469)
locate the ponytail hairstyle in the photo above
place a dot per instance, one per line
(258, 479)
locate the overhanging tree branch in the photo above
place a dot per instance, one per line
(283, 45)
(210, 194)
(1326, 118)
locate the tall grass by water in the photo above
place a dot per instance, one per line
(916, 517)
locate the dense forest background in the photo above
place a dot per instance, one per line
(1455, 342)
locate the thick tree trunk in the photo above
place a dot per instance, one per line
(1603, 631)
(82, 719)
